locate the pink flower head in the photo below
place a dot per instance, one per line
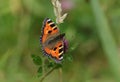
(66, 4)
(65, 45)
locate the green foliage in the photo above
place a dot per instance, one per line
(69, 58)
(58, 66)
(50, 65)
(108, 42)
(92, 29)
(36, 59)
(40, 71)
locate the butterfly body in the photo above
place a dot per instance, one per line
(52, 41)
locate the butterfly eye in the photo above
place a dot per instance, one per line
(49, 31)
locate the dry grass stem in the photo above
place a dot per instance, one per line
(58, 11)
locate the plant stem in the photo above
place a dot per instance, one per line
(44, 76)
(60, 74)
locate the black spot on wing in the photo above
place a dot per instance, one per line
(55, 28)
(60, 50)
(52, 25)
(60, 45)
(49, 31)
(60, 55)
(55, 48)
(49, 21)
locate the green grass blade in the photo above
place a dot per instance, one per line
(107, 40)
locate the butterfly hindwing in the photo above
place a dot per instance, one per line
(56, 52)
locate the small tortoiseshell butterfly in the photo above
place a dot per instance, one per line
(52, 41)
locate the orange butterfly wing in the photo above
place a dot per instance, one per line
(49, 31)
(49, 28)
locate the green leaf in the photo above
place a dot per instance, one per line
(36, 59)
(51, 64)
(58, 66)
(40, 71)
(69, 58)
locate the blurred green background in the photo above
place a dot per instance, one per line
(92, 29)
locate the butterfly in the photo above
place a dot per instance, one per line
(52, 41)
